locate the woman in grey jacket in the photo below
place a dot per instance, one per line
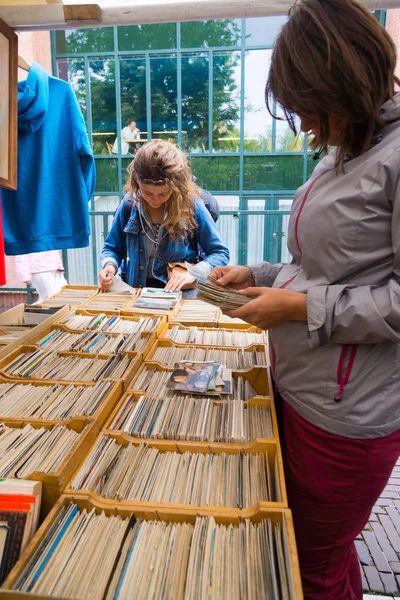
(334, 311)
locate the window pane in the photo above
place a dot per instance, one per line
(195, 102)
(73, 71)
(85, 40)
(226, 102)
(311, 163)
(133, 97)
(219, 173)
(104, 118)
(257, 120)
(263, 31)
(285, 140)
(164, 106)
(106, 175)
(125, 163)
(255, 231)
(273, 172)
(206, 34)
(147, 37)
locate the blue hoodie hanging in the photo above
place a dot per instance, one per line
(56, 171)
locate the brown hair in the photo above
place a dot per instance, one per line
(162, 163)
(333, 57)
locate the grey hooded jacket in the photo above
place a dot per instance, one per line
(341, 369)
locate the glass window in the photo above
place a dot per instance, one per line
(77, 41)
(257, 120)
(106, 175)
(226, 102)
(217, 173)
(285, 140)
(263, 31)
(195, 102)
(311, 163)
(164, 106)
(104, 117)
(133, 101)
(147, 37)
(73, 71)
(207, 34)
(273, 172)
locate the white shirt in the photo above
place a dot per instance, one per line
(126, 134)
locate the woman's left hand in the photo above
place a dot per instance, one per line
(176, 283)
(271, 307)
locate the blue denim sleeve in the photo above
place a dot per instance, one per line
(209, 238)
(113, 245)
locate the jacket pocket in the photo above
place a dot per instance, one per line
(345, 368)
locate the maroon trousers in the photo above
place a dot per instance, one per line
(332, 484)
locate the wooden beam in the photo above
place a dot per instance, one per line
(82, 12)
(51, 16)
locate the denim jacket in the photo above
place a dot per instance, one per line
(207, 235)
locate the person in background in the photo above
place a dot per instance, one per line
(128, 134)
(334, 311)
(43, 270)
(168, 223)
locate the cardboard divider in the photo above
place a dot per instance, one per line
(226, 517)
(164, 335)
(100, 416)
(54, 483)
(167, 343)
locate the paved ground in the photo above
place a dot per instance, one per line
(378, 545)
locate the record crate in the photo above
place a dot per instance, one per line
(170, 515)
(54, 483)
(199, 320)
(100, 416)
(89, 313)
(258, 377)
(132, 311)
(183, 327)
(87, 291)
(167, 343)
(126, 379)
(34, 341)
(259, 446)
(121, 302)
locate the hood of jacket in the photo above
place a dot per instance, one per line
(391, 109)
(33, 99)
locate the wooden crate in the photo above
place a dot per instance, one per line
(86, 288)
(100, 416)
(167, 343)
(258, 446)
(126, 379)
(258, 377)
(54, 483)
(170, 325)
(109, 311)
(255, 514)
(89, 313)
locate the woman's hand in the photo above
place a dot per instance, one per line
(235, 277)
(177, 281)
(271, 307)
(105, 277)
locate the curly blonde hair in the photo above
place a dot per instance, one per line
(161, 163)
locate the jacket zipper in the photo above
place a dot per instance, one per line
(343, 379)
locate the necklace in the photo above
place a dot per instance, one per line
(154, 240)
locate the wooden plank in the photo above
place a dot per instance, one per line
(82, 12)
(161, 11)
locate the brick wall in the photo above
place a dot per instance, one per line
(34, 47)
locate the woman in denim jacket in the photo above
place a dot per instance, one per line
(168, 223)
